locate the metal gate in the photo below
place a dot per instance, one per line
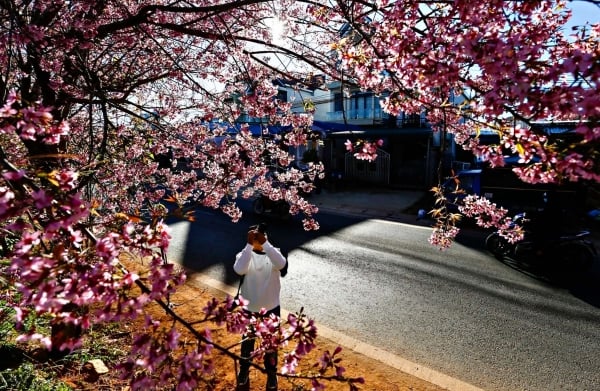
(377, 171)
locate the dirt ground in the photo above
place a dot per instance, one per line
(190, 299)
(187, 303)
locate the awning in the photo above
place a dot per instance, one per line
(326, 128)
(382, 132)
(334, 126)
(555, 128)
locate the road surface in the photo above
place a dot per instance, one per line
(460, 312)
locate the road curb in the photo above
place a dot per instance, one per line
(419, 371)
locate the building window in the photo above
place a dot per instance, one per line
(362, 105)
(282, 95)
(413, 120)
(338, 102)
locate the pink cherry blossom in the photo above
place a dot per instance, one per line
(113, 115)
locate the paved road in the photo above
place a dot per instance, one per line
(460, 312)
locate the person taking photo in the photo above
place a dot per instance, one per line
(259, 264)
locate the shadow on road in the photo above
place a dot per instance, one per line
(584, 285)
(213, 241)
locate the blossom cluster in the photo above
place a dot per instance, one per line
(90, 172)
(121, 118)
(364, 150)
(472, 67)
(66, 268)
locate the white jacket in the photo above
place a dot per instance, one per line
(262, 283)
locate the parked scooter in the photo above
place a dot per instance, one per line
(550, 253)
(264, 205)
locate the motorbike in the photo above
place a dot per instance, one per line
(264, 205)
(556, 254)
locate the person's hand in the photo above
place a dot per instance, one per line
(251, 237)
(260, 237)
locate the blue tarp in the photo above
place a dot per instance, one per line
(261, 130)
(255, 129)
(325, 128)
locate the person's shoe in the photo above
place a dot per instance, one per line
(271, 382)
(243, 382)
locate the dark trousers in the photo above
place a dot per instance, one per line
(270, 359)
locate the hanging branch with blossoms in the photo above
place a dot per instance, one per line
(109, 111)
(499, 65)
(364, 150)
(110, 108)
(60, 268)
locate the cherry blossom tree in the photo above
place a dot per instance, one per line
(499, 65)
(110, 108)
